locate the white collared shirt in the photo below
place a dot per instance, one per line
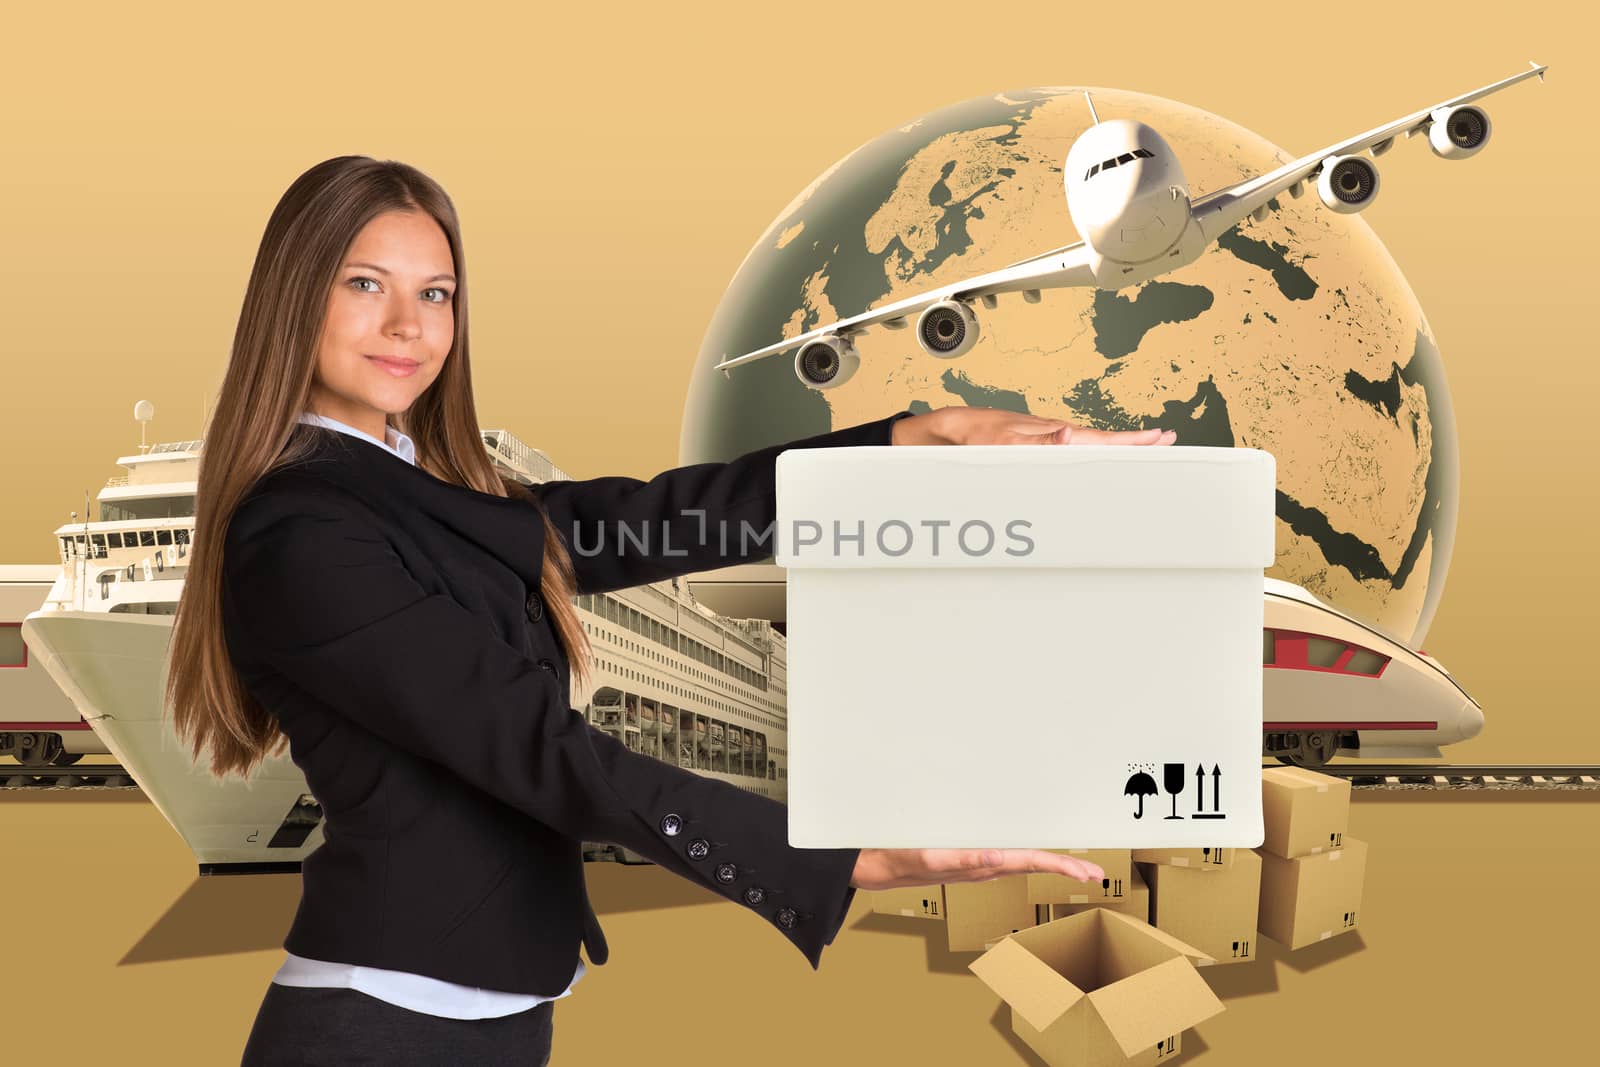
(402, 988)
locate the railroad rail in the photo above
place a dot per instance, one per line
(1360, 775)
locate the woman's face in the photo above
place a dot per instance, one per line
(392, 297)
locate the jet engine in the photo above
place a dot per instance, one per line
(947, 329)
(826, 362)
(1458, 132)
(1347, 183)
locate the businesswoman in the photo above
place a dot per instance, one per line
(365, 588)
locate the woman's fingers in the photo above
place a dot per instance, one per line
(980, 865)
(1152, 436)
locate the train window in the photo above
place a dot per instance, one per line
(13, 653)
(1322, 652)
(1366, 661)
(1126, 157)
(1108, 164)
(1146, 153)
(1092, 172)
(1269, 645)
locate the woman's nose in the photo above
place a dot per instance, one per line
(403, 323)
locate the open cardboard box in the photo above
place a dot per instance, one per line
(1098, 989)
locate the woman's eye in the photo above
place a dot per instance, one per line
(444, 295)
(357, 283)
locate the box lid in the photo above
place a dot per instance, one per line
(1037, 991)
(1025, 506)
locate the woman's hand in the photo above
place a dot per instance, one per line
(890, 868)
(959, 425)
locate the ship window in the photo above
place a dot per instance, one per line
(163, 537)
(13, 653)
(181, 536)
(147, 538)
(115, 540)
(1126, 157)
(1268, 646)
(1366, 661)
(1322, 652)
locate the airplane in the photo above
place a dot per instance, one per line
(1128, 199)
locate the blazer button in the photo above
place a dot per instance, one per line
(786, 918)
(535, 607)
(699, 848)
(672, 825)
(546, 665)
(726, 872)
(754, 895)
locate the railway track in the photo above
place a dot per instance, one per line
(1360, 775)
(1363, 776)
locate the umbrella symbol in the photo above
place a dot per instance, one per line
(1140, 785)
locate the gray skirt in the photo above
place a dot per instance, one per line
(307, 1026)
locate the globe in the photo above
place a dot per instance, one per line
(1295, 334)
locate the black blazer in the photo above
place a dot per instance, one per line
(393, 624)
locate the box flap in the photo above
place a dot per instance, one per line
(1018, 506)
(1031, 986)
(1144, 1008)
(1155, 933)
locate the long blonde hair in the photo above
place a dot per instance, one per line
(268, 384)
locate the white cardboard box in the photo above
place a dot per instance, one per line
(989, 645)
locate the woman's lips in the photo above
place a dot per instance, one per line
(396, 367)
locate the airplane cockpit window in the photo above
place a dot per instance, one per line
(1126, 157)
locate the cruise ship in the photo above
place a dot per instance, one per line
(671, 678)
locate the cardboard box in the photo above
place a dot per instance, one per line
(1303, 812)
(917, 901)
(1204, 859)
(1312, 898)
(1098, 989)
(1117, 863)
(948, 563)
(1135, 905)
(977, 914)
(1215, 911)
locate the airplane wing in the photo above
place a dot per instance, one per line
(1217, 211)
(1067, 265)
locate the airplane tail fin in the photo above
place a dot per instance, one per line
(1092, 114)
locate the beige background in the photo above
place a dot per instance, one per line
(612, 168)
